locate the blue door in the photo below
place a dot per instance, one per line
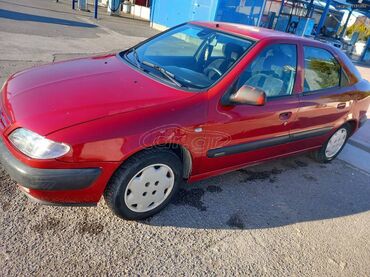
(240, 11)
(203, 9)
(170, 13)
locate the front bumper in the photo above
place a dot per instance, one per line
(46, 179)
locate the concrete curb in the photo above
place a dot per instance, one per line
(357, 150)
(356, 157)
(360, 145)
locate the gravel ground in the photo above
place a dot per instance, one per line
(289, 217)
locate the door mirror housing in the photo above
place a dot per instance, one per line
(248, 95)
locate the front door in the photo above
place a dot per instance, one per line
(255, 133)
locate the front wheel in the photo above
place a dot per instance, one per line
(333, 146)
(144, 184)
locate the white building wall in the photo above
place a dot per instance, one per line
(142, 12)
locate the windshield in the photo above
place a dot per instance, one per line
(189, 56)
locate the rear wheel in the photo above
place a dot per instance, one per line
(333, 146)
(144, 184)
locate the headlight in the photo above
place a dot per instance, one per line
(36, 146)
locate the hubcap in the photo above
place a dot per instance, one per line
(149, 188)
(336, 142)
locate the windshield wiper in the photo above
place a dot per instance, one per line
(136, 56)
(170, 76)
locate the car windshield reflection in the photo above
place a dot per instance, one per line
(189, 56)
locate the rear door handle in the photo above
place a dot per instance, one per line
(341, 106)
(285, 116)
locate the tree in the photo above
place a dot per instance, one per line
(361, 28)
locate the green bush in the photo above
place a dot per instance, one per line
(361, 28)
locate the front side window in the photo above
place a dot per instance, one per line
(321, 69)
(190, 56)
(273, 71)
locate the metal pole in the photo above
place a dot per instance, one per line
(261, 14)
(281, 8)
(73, 4)
(345, 24)
(323, 18)
(366, 50)
(309, 8)
(96, 9)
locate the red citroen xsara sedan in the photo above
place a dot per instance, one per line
(198, 100)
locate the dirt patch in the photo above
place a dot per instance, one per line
(5, 206)
(47, 224)
(309, 177)
(192, 197)
(235, 221)
(214, 189)
(300, 163)
(260, 175)
(92, 228)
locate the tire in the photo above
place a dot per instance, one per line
(153, 175)
(324, 155)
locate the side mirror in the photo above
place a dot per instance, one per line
(248, 95)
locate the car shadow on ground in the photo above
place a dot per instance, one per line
(278, 193)
(19, 16)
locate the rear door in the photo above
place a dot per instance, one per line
(326, 99)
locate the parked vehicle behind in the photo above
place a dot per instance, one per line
(199, 100)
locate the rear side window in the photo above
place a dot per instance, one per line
(321, 70)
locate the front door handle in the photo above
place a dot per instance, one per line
(285, 116)
(341, 106)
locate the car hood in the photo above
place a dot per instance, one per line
(51, 97)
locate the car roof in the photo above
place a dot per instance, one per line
(258, 33)
(252, 32)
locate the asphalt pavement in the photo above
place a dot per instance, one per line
(289, 217)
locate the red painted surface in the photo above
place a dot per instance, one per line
(144, 3)
(107, 111)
